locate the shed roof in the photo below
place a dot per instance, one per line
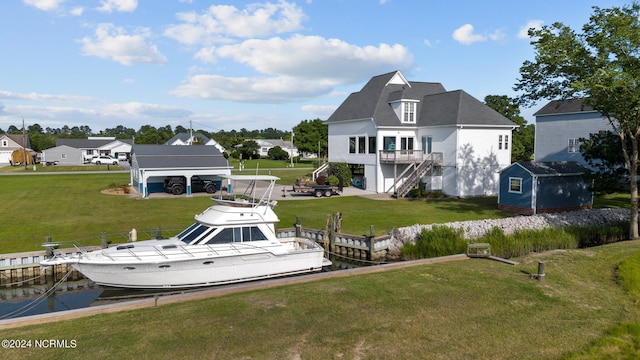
(553, 168)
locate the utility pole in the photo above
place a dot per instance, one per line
(292, 148)
(24, 145)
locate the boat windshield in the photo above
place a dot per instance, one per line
(239, 234)
(194, 232)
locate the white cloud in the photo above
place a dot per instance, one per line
(314, 57)
(531, 24)
(221, 21)
(118, 5)
(465, 35)
(111, 42)
(45, 5)
(278, 89)
(77, 11)
(293, 69)
(143, 110)
(41, 97)
(206, 55)
(497, 35)
(319, 111)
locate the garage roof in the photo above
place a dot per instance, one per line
(174, 156)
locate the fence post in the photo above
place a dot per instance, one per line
(370, 240)
(298, 227)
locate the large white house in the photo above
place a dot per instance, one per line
(559, 126)
(395, 132)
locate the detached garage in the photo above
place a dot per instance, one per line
(152, 164)
(529, 187)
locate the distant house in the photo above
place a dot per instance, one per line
(63, 155)
(394, 133)
(89, 148)
(10, 143)
(559, 126)
(267, 144)
(195, 139)
(529, 187)
(152, 164)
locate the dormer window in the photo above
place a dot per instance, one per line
(409, 112)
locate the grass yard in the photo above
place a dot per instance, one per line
(471, 309)
(72, 207)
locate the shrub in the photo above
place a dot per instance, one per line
(340, 169)
(439, 241)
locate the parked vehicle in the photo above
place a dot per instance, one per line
(104, 159)
(177, 185)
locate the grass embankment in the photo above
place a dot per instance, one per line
(72, 207)
(473, 309)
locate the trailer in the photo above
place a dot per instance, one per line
(317, 190)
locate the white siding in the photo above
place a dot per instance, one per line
(554, 131)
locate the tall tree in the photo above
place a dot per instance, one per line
(523, 136)
(310, 134)
(600, 65)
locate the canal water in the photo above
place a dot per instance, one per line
(17, 302)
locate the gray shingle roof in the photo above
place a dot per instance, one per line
(553, 167)
(563, 107)
(89, 143)
(184, 137)
(435, 105)
(167, 156)
(458, 108)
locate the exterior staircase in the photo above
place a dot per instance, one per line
(410, 177)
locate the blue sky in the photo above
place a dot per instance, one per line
(228, 65)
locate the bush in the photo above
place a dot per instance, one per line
(340, 170)
(439, 241)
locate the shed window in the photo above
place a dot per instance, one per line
(515, 185)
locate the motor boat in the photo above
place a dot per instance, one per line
(232, 241)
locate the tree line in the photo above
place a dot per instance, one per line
(309, 136)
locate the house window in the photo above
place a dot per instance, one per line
(499, 142)
(352, 145)
(63, 156)
(409, 112)
(506, 142)
(515, 185)
(362, 145)
(389, 143)
(5, 143)
(90, 152)
(372, 145)
(406, 143)
(574, 145)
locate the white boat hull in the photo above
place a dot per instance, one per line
(231, 241)
(146, 269)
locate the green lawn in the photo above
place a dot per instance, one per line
(471, 309)
(72, 207)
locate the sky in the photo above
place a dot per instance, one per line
(228, 65)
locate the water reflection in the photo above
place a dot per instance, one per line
(41, 299)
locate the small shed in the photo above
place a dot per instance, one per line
(152, 164)
(529, 187)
